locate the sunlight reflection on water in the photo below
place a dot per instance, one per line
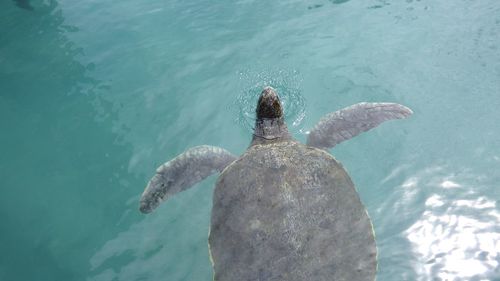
(455, 238)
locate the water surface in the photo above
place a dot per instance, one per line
(95, 94)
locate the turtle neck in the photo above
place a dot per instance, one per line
(270, 131)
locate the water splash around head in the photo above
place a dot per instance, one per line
(285, 82)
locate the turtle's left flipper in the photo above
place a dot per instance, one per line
(182, 172)
(351, 121)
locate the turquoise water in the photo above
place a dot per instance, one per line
(94, 95)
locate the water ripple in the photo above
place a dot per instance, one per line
(287, 84)
(457, 236)
(454, 242)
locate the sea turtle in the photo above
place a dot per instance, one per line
(283, 210)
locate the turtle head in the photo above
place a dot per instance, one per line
(269, 105)
(270, 123)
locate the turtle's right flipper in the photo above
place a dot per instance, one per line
(351, 121)
(182, 172)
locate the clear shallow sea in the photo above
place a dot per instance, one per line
(95, 94)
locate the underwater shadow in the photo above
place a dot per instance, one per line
(24, 4)
(60, 127)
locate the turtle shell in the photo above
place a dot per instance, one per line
(287, 211)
